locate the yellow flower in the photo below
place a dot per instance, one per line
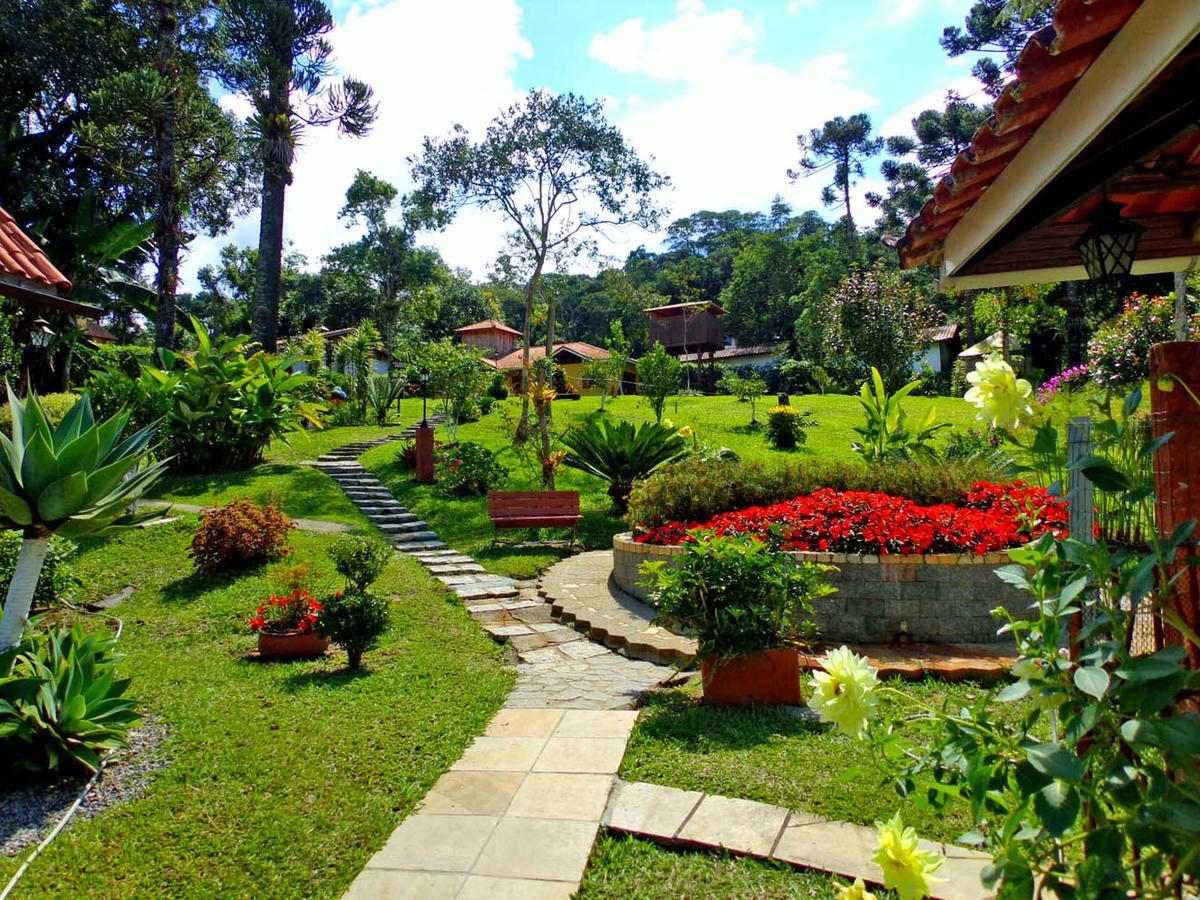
(686, 432)
(907, 869)
(844, 693)
(1025, 669)
(667, 423)
(856, 891)
(1002, 397)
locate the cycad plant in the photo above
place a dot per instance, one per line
(72, 480)
(621, 453)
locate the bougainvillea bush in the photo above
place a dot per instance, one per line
(992, 517)
(1120, 350)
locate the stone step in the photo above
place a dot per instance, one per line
(392, 518)
(483, 592)
(455, 569)
(379, 508)
(357, 481)
(435, 554)
(416, 547)
(412, 537)
(399, 528)
(369, 493)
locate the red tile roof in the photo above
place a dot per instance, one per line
(488, 325)
(516, 359)
(1052, 62)
(22, 259)
(942, 333)
(97, 333)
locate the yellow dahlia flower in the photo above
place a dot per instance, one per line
(844, 693)
(686, 432)
(1002, 397)
(907, 869)
(856, 891)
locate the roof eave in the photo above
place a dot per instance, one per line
(31, 291)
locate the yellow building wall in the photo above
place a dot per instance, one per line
(573, 372)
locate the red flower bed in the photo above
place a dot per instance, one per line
(992, 517)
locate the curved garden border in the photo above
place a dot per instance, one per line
(933, 597)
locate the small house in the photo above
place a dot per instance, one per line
(943, 344)
(693, 328)
(570, 357)
(493, 338)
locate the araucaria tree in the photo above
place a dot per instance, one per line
(279, 57)
(841, 145)
(559, 171)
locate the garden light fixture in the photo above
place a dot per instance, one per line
(1109, 245)
(41, 334)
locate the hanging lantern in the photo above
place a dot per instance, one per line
(40, 333)
(1109, 245)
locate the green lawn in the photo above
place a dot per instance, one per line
(283, 778)
(622, 867)
(300, 491)
(764, 754)
(718, 421)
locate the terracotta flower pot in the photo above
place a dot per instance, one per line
(768, 676)
(291, 644)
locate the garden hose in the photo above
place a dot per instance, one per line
(74, 807)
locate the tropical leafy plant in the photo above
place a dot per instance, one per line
(786, 424)
(621, 452)
(356, 357)
(737, 594)
(63, 704)
(224, 406)
(887, 434)
(74, 479)
(384, 394)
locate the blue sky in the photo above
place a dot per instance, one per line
(715, 91)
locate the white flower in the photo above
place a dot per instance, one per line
(1002, 397)
(844, 693)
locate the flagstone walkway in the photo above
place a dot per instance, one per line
(517, 815)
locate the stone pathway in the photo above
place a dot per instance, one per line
(322, 526)
(581, 591)
(692, 819)
(517, 815)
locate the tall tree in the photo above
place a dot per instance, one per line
(558, 170)
(999, 28)
(279, 57)
(159, 125)
(840, 146)
(916, 161)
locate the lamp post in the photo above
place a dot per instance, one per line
(424, 435)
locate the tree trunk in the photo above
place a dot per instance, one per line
(545, 413)
(270, 258)
(20, 592)
(167, 214)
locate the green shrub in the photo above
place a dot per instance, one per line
(127, 358)
(468, 470)
(359, 560)
(786, 424)
(112, 390)
(354, 619)
(620, 452)
(496, 388)
(736, 594)
(486, 402)
(63, 706)
(224, 407)
(696, 489)
(1119, 352)
(972, 443)
(57, 583)
(240, 533)
(55, 405)
(887, 435)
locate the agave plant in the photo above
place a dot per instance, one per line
(621, 453)
(72, 480)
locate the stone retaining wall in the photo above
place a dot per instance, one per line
(940, 596)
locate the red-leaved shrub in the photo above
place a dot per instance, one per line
(238, 534)
(993, 517)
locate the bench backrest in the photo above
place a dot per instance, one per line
(520, 504)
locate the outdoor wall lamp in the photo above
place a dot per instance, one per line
(1109, 246)
(41, 334)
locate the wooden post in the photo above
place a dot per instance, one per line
(424, 448)
(1081, 497)
(1181, 306)
(1177, 467)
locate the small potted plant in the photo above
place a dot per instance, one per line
(749, 607)
(287, 626)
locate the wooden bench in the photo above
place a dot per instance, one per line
(534, 509)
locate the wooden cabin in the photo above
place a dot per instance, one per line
(688, 328)
(494, 338)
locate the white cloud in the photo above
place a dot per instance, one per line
(727, 135)
(431, 65)
(897, 11)
(795, 6)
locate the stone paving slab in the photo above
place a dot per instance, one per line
(691, 818)
(513, 817)
(582, 593)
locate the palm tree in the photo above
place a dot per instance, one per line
(72, 480)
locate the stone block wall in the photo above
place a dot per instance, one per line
(938, 596)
